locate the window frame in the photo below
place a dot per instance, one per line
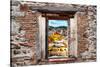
(67, 18)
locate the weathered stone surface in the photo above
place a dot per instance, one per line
(18, 13)
(24, 30)
(25, 45)
(15, 27)
(87, 31)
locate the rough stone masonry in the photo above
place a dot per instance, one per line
(25, 32)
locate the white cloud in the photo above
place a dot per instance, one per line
(57, 23)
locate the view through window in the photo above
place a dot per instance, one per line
(57, 38)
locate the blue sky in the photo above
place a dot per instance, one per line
(57, 23)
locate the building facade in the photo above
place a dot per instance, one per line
(30, 31)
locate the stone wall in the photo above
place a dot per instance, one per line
(86, 18)
(27, 40)
(24, 35)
